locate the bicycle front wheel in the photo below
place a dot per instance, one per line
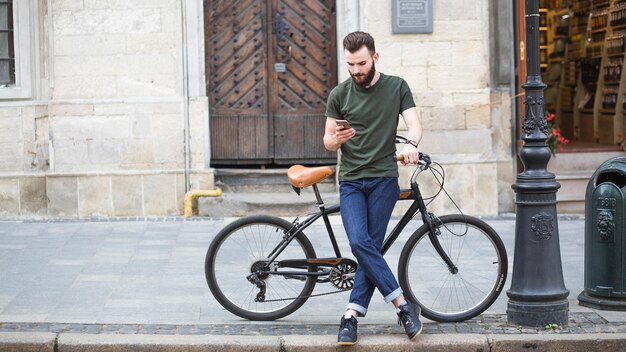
(241, 249)
(476, 251)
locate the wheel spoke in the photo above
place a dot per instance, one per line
(474, 248)
(242, 249)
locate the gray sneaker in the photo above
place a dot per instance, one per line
(347, 332)
(409, 317)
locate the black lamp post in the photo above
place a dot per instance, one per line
(538, 295)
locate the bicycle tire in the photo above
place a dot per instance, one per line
(227, 266)
(480, 256)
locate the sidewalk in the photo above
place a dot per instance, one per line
(69, 284)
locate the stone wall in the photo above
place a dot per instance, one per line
(104, 132)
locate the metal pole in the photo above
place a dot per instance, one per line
(538, 295)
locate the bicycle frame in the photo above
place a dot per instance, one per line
(418, 205)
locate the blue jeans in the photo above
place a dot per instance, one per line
(366, 207)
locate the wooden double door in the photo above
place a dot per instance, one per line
(270, 67)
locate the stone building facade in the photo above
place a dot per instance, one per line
(109, 114)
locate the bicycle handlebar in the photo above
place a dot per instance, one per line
(424, 159)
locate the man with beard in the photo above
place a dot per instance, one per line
(371, 102)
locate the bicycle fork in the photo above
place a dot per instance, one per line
(433, 231)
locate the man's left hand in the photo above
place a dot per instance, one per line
(410, 153)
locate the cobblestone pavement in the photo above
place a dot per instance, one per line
(146, 276)
(580, 323)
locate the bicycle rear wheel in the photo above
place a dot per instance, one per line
(478, 253)
(242, 248)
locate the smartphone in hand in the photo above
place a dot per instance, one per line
(343, 123)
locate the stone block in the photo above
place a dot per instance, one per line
(33, 195)
(10, 129)
(28, 341)
(457, 10)
(95, 66)
(471, 97)
(457, 142)
(427, 54)
(457, 78)
(36, 156)
(127, 193)
(389, 55)
(10, 111)
(594, 342)
(68, 5)
(415, 76)
(469, 53)
(458, 30)
(204, 179)
(478, 116)
(42, 129)
(92, 127)
(169, 151)
(69, 342)
(94, 196)
(141, 125)
(460, 180)
(395, 342)
(123, 4)
(425, 98)
(506, 177)
(88, 87)
(150, 85)
(108, 20)
(125, 109)
(62, 195)
(10, 163)
(141, 65)
(170, 20)
(104, 153)
(9, 196)
(180, 191)
(443, 118)
(70, 152)
(485, 189)
(71, 109)
(160, 194)
(136, 152)
(89, 45)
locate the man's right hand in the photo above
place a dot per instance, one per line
(343, 134)
(336, 135)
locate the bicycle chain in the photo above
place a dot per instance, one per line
(309, 296)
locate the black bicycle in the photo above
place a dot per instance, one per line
(264, 268)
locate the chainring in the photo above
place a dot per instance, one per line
(342, 275)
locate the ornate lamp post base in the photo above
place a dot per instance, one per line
(538, 313)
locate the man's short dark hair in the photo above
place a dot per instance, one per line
(356, 40)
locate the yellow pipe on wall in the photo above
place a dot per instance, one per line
(194, 194)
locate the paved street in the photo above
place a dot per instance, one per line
(151, 272)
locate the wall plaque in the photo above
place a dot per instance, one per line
(412, 16)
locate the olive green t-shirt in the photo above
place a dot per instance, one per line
(373, 112)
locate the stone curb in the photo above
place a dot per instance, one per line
(68, 342)
(28, 341)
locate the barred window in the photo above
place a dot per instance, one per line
(7, 50)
